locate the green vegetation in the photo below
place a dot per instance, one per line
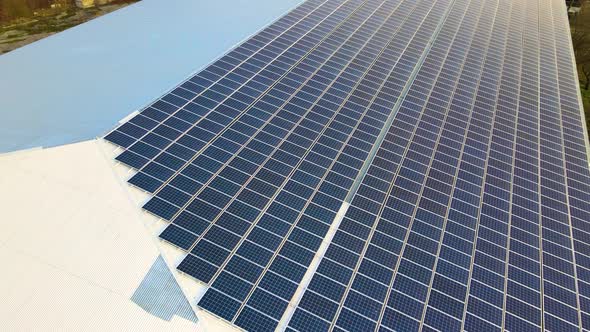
(580, 26)
(586, 101)
(44, 24)
(14, 40)
(23, 22)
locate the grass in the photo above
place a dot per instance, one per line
(582, 23)
(586, 99)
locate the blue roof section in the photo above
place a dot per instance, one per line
(77, 84)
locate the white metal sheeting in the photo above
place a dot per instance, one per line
(73, 246)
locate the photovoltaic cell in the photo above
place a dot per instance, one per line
(299, 237)
(391, 165)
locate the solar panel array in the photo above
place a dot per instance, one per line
(390, 165)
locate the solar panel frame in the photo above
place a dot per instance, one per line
(393, 280)
(454, 142)
(251, 154)
(243, 82)
(452, 284)
(556, 222)
(300, 9)
(471, 318)
(353, 203)
(253, 169)
(576, 151)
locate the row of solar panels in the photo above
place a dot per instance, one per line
(454, 128)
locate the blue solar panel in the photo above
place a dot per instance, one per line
(423, 162)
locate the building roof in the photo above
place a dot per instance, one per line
(74, 247)
(379, 165)
(356, 165)
(72, 86)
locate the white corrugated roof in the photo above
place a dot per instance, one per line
(74, 244)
